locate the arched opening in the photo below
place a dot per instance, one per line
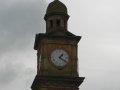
(51, 24)
(58, 22)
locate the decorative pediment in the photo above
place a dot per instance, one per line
(55, 34)
(60, 32)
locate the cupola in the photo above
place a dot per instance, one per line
(56, 16)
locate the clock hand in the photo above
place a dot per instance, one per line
(62, 59)
(61, 56)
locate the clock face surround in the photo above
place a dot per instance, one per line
(59, 57)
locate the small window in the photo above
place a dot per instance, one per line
(51, 23)
(58, 22)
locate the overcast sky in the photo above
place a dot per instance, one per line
(97, 21)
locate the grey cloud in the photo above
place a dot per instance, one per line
(19, 23)
(14, 76)
(20, 20)
(8, 73)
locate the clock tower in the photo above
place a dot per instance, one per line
(57, 58)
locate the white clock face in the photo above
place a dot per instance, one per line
(59, 57)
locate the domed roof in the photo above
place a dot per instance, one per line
(56, 7)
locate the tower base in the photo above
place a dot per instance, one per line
(56, 83)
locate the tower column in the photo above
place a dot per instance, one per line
(57, 60)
